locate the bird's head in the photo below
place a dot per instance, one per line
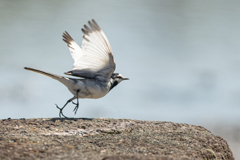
(118, 77)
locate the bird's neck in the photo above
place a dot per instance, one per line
(113, 83)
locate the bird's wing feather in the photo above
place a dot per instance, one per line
(74, 48)
(95, 58)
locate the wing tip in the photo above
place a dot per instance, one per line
(67, 39)
(68, 73)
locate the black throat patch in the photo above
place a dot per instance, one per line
(113, 85)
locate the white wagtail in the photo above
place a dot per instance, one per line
(94, 63)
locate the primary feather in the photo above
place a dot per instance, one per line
(95, 59)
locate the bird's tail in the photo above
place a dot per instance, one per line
(61, 79)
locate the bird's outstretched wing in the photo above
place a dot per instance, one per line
(95, 59)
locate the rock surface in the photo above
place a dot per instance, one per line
(108, 139)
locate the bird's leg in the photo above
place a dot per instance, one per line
(77, 98)
(60, 113)
(77, 104)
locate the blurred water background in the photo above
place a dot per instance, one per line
(182, 58)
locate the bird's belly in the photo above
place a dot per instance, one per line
(89, 89)
(96, 92)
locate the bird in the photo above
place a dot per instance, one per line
(93, 67)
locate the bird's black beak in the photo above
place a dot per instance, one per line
(125, 78)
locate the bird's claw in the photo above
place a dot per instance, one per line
(77, 104)
(60, 112)
(70, 100)
(76, 108)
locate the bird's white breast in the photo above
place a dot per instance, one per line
(90, 88)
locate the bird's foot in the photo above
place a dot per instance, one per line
(60, 112)
(77, 104)
(76, 108)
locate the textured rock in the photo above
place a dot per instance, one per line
(108, 139)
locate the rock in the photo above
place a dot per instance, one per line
(108, 139)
